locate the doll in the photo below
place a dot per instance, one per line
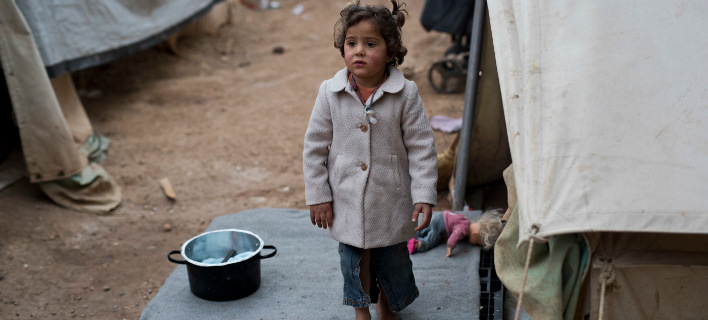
(454, 227)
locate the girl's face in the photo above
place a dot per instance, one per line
(365, 53)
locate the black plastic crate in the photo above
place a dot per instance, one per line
(491, 299)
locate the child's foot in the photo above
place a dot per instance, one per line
(382, 308)
(385, 312)
(362, 314)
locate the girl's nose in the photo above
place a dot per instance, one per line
(359, 50)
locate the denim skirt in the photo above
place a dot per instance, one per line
(391, 270)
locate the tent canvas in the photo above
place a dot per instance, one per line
(604, 105)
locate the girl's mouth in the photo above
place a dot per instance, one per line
(359, 63)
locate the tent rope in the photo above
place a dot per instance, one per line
(607, 277)
(534, 230)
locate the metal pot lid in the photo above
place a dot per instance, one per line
(218, 244)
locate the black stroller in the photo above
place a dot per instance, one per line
(454, 17)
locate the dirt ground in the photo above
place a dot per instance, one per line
(224, 120)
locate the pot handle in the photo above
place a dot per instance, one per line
(270, 254)
(173, 260)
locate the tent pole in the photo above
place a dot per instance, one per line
(463, 152)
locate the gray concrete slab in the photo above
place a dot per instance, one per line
(303, 280)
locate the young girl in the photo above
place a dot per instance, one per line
(369, 161)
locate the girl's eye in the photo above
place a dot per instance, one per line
(351, 43)
(371, 44)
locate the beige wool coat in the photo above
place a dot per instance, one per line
(372, 173)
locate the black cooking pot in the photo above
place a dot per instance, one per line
(224, 264)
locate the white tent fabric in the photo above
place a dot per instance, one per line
(606, 104)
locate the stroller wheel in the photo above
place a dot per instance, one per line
(446, 75)
(454, 49)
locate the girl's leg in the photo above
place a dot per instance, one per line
(365, 271)
(362, 314)
(392, 270)
(365, 278)
(383, 309)
(354, 295)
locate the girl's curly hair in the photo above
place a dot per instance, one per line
(387, 22)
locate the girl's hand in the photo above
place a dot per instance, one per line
(321, 215)
(427, 212)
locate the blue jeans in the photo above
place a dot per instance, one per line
(434, 234)
(391, 269)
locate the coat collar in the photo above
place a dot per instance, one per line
(393, 84)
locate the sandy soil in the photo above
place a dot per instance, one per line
(224, 120)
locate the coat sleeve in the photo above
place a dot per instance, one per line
(420, 144)
(318, 138)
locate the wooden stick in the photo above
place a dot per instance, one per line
(167, 188)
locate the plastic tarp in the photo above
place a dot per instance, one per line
(77, 34)
(605, 105)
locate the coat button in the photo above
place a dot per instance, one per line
(363, 166)
(364, 128)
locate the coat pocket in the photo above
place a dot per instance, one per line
(385, 173)
(342, 168)
(396, 170)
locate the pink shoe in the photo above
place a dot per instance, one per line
(411, 246)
